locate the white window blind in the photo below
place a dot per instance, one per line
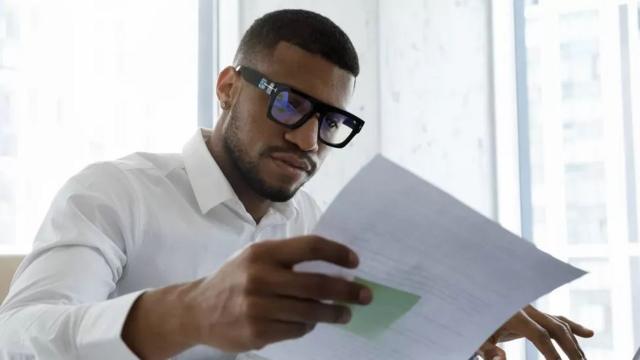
(581, 126)
(84, 81)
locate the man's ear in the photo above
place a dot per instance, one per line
(227, 87)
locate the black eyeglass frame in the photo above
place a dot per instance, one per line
(273, 88)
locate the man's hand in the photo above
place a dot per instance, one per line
(540, 329)
(253, 300)
(256, 299)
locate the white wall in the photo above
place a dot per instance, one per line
(435, 94)
(424, 91)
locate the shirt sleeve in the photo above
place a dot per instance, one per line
(59, 304)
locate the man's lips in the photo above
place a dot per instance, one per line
(293, 161)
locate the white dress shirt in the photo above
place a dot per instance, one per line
(120, 227)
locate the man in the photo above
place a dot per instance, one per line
(156, 256)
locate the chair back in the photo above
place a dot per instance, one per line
(8, 266)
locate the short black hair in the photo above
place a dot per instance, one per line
(305, 29)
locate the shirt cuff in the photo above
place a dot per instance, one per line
(100, 332)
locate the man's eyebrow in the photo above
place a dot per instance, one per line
(309, 96)
(297, 89)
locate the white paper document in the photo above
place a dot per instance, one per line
(468, 274)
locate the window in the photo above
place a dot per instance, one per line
(581, 130)
(83, 81)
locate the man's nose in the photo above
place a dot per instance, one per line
(306, 136)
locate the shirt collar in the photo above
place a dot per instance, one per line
(209, 184)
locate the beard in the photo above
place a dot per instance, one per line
(248, 167)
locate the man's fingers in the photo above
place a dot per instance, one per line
(559, 331)
(573, 336)
(538, 336)
(317, 287)
(577, 328)
(262, 333)
(291, 251)
(490, 351)
(296, 310)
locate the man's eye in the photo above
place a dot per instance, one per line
(332, 124)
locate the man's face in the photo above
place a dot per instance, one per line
(276, 161)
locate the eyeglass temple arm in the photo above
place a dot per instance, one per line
(257, 79)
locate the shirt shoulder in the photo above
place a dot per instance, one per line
(150, 162)
(118, 183)
(113, 174)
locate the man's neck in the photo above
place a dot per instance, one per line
(256, 205)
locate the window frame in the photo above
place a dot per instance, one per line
(515, 209)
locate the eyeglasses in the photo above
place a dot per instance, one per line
(292, 108)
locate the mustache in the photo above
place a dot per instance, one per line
(303, 156)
